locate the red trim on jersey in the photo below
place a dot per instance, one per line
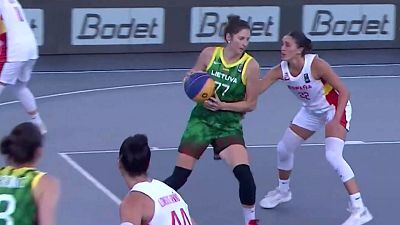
(332, 97)
(3, 50)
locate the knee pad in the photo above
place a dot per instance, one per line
(247, 186)
(286, 147)
(334, 155)
(178, 178)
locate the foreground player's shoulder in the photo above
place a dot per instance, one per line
(136, 201)
(132, 207)
(43, 183)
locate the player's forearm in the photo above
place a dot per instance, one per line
(242, 106)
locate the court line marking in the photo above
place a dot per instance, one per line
(116, 200)
(93, 180)
(155, 85)
(155, 149)
(186, 69)
(98, 89)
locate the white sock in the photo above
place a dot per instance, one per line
(36, 119)
(356, 200)
(284, 185)
(249, 214)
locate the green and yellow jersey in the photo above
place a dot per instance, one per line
(17, 203)
(230, 86)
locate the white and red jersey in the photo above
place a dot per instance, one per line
(169, 207)
(20, 41)
(317, 96)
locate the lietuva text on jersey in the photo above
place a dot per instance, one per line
(224, 76)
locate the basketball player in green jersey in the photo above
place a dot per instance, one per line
(218, 121)
(27, 195)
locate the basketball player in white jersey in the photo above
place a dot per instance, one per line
(149, 202)
(325, 104)
(18, 54)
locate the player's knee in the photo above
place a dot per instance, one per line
(286, 148)
(283, 153)
(247, 186)
(285, 156)
(178, 177)
(333, 157)
(18, 87)
(340, 165)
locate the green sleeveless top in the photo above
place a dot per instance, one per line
(17, 204)
(230, 85)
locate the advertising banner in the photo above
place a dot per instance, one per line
(36, 21)
(349, 22)
(132, 26)
(208, 23)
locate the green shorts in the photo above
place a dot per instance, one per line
(199, 135)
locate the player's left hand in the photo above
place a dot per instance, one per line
(334, 124)
(214, 103)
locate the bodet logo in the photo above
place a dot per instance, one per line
(113, 26)
(349, 22)
(207, 23)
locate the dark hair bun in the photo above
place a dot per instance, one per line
(7, 144)
(233, 18)
(22, 143)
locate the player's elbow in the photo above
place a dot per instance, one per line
(251, 106)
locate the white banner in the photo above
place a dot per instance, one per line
(207, 23)
(349, 22)
(115, 26)
(36, 21)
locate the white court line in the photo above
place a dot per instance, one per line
(115, 199)
(93, 180)
(96, 90)
(155, 149)
(186, 69)
(371, 76)
(159, 84)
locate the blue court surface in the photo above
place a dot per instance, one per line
(90, 111)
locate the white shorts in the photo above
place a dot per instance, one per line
(17, 71)
(313, 122)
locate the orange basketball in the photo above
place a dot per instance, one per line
(199, 86)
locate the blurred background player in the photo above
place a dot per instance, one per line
(18, 54)
(27, 195)
(149, 202)
(218, 120)
(325, 104)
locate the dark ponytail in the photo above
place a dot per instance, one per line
(134, 155)
(302, 41)
(22, 143)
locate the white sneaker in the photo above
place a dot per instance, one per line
(274, 198)
(358, 216)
